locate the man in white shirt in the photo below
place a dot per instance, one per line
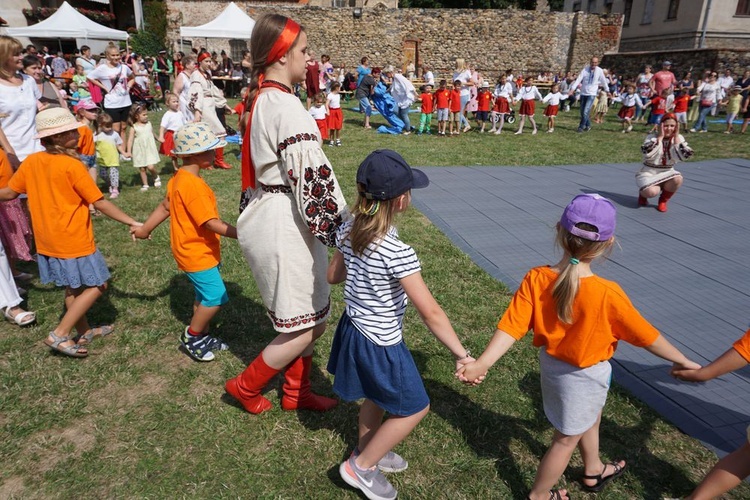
(404, 94)
(590, 79)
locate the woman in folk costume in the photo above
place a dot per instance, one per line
(202, 103)
(291, 207)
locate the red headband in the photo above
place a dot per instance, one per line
(284, 42)
(203, 56)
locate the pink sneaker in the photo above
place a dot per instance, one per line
(114, 193)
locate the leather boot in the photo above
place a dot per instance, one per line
(297, 393)
(246, 386)
(663, 199)
(219, 160)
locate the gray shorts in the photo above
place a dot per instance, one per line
(442, 114)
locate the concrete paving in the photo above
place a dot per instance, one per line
(687, 270)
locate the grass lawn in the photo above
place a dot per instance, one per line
(139, 419)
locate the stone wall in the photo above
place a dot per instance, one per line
(696, 60)
(492, 40)
(689, 42)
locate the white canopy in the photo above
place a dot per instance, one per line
(231, 23)
(68, 23)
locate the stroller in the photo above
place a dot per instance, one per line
(509, 117)
(140, 95)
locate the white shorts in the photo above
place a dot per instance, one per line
(681, 117)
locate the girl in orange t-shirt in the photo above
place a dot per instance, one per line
(578, 319)
(60, 190)
(733, 468)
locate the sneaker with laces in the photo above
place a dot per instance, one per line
(200, 347)
(331, 143)
(391, 462)
(114, 193)
(157, 182)
(371, 482)
(144, 187)
(338, 142)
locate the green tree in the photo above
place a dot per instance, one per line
(155, 22)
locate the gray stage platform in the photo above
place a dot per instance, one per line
(687, 270)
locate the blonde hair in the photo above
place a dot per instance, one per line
(566, 285)
(52, 147)
(9, 47)
(460, 64)
(372, 219)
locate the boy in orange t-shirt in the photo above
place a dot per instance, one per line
(455, 107)
(680, 103)
(425, 119)
(441, 99)
(194, 234)
(484, 103)
(733, 468)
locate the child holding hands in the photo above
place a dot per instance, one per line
(577, 319)
(368, 357)
(733, 468)
(59, 191)
(194, 234)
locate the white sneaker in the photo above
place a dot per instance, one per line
(144, 187)
(534, 132)
(630, 128)
(692, 131)
(467, 128)
(157, 182)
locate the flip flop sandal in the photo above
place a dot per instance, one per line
(554, 495)
(601, 481)
(21, 319)
(96, 332)
(74, 351)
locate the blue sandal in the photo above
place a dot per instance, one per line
(74, 351)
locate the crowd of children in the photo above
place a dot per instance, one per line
(561, 304)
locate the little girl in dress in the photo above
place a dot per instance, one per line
(142, 145)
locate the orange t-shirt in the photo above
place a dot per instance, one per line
(442, 98)
(6, 171)
(426, 98)
(192, 204)
(86, 144)
(455, 101)
(484, 101)
(60, 191)
(602, 316)
(742, 346)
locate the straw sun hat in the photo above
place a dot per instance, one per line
(54, 121)
(195, 138)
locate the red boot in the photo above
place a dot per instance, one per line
(219, 160)
(663, 199)
(642, 201)
(297, 393)
(246, 387)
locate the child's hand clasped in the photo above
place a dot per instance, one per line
(470, 372)
(137, 232)
(689, 372)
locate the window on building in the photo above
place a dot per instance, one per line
(626, 12)
(743, 8)
(648, 12)
(236, 47)
(591, 7)
(674, 5)
(343, 3)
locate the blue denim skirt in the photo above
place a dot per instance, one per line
(386, 375)
(89, 270)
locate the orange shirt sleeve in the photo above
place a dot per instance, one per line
(18, 182)
(518, 318)
(6, 171)
(742, 346)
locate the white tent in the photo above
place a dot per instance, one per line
(231, 23)
(68, 23)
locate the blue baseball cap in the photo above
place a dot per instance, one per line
(384, 175)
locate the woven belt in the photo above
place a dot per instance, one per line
(281, 188)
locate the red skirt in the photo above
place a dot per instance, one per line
(527, 107)
(168, 145)
(551, 110)
(501, 105)
(626, 112)
(335, 119)
(323, 127)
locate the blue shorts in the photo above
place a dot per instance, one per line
(209, 287)
(482, 116)
(365, 106)
(88, 160)
(654, 119)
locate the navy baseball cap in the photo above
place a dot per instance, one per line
(384, 175)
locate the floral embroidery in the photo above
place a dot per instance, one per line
(319, 203)
(294, 140)
(303, 319)
(276, 189)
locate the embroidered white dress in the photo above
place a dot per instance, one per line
(659, 160)
(201, 98)
(292, 215)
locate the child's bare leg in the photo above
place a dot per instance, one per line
(520, 124)
(152, 171)
(725, 475)
(370, 420)
(531, 119)
(501, 123)
(744, 126)
(592, 463)
(553, 465)
(175, 165)
(77, 303)
(391, 432)
(494, 118)
(202, 316)
(550, 123)
(144, 178)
